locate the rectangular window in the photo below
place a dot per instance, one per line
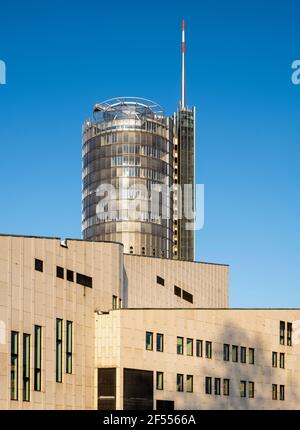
(281, 392)
(189, 383)
(243, 354)
(199, 348)
(14, 373)
(251, 389)
(159, 380)
(38, 265)
(114, 302)
(177, 291)
(189, 346)
(274, 359)
(179, 345)
(289, 333)
(281, 360)
(226, 349)
(37, 357)
(179, 382)
(208, 349)
(59, 323)
(149, 341)
(235, 353)
(26, 367)
(187, 296)
(160, 281)
(159, 342)
(69, 346)
(60, 272)
(217, 386)
(84, 280)
(243, 388)
(251, 355)
(281, 332)
(274, 392)
(208, 385)
(70, 275)
(226, 387)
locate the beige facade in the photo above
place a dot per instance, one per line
(121, 344)
(207, 283)
(102, 276)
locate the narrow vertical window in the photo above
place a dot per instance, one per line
(26, 367)
(274, 359)
(159, 380)
(243, 388)
(14, 375)
(281, 392)
(235, 353)
(243, 354)
(37, 357)
(208, 349)
(274, 392)
(281, 332)
(179, 345)
(114, 302)
(281, 360)
(251, 389)
(217, 386)
(69, 346)
(179, 382)
(189, 383)
(226, 352)
(159, 342)
(59, 350)
(251, 355)
(199, 348)
(189, 346)
(149, 341)
(289, 333)
(226, 387)
(208, 385)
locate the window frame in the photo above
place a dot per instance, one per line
(208, 349)
(226, 352)
(208, 385)
(178, 345)
(159, 386)
(149, 346)
(14, 365)
(217, 386)
(179, 383)
(189, 347)
(69, 347)
(58, 352)
(189, 383)
(235, 353)
(226, 387)
(37, 376)
(26, 367)
(159, 345)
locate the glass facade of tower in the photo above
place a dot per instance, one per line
(128, 149)
(184, 175)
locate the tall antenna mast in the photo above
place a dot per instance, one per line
(182, 67)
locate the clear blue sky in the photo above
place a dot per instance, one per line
(63, 57)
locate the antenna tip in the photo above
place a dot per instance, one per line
(183, 25)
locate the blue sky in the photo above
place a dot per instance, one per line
(64, 57)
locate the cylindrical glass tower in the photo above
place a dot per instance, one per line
(128, 150)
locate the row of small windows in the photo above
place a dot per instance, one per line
(37, 369)
(281, 360)
(275, 392)
(177, 291)
(180, 345)
(214, 385)
(288, 329)
(81, 279)
(235, 354)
